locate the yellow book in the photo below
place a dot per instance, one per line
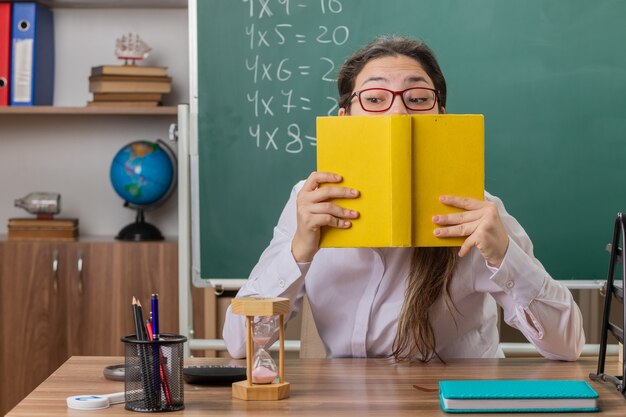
(400, 164)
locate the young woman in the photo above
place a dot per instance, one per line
(409, 303)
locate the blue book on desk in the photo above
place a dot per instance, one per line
(32, 55)
(517, 396)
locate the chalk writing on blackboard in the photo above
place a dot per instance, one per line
(277, 82)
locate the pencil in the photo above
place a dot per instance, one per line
(138, 320)
(144, 368)
(142, 329)
(166, 387)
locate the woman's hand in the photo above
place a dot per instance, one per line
(315, 211)
(481, 224)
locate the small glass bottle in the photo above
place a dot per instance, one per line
(40, 203)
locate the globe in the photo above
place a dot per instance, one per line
(143, 174)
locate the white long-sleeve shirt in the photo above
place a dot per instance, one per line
(356, 295)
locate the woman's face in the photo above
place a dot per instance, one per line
(393, 73)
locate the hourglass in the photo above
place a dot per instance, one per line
(261, 324)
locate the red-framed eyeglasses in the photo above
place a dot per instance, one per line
(381, 99)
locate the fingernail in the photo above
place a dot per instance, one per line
(346, 224)
(354, 213)
(437, 232)
(442, 198)
(435, 219)
(337, 177)
(354, 192)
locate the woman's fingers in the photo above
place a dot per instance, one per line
(329, 220)
(458, 230)
(311, 191)
(314, 216)
(333, 210)
(469, 243)
(461, 202)
(456, 218)
(318, 178)
(331, 192)
(315, 210)
(334, 217)
(480, 223)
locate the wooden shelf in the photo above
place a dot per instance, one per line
(116, 4)
(116, 111)
(89, 239)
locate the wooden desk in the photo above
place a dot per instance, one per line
(319, 387)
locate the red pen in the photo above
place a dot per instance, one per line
(166, 387)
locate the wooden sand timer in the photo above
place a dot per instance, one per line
(252, 307)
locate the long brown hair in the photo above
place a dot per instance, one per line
(429, 278)
(431, 269)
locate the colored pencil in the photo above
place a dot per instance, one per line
(166, 387)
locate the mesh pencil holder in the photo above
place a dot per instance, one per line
(154, 373)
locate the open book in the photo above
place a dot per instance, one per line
(475, 396)
(400, 164)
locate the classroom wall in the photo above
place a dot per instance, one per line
(71, 154)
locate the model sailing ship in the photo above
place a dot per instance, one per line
(131, 49)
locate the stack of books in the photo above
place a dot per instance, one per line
(128, 85)
(36, 229)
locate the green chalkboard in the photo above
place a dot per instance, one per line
(549, 76)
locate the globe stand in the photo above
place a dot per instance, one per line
(139, 230)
